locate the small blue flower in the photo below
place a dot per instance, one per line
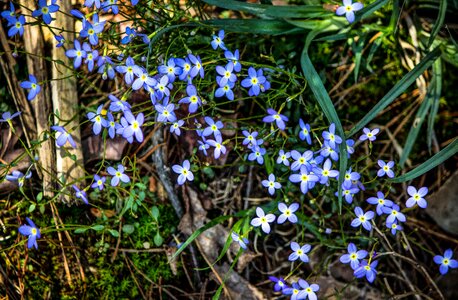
(80, 194)
(134, 127)
(97, 120)
(131, 33)
(331, 137)
(19, 177)
(234, 58)
(299, 252)
(327, 150)
(166, 112)
(10, 15)
(163, 87)
(353, 256)
(243, 242)
(197, 68)
(118, 105)
(362, 218)
(348, 193)
(118, 175)
(366, 270)
(304, 134)
(385, 168)
(7, 116)
(225, 90)
(218, 41)
(271, 184)
(62, 137)
(142, 80)
(17, 26)
(395, 227)
(33, 86)
(32, 232)
(185, 65)
(203, 146)
(325, 173)
(219, 147)
(175, 128)
(254, 81)
(308, 291)
(280, 283)
(78, 53)
(111, 4)
(350, 150)
(283, 157)
(184, 172)
(275, 117)
(90, 3)
(226, 74)
(394, 214)
(129, 70)
(294, 291)
(257, 154)
(170, 69)
(213, 127)
(446, 261)
(349, 178)
(416, 197)
(193, 98)
(250, 138)
(287, 213)
(306, 179)
(99, 182)
(262, 220)
(91, 30)
(301, 160)
(111, 125)
(369, 134)
(45, 10)
(380, 201)
(349, 9)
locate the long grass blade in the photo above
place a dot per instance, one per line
(431, 163)
(439, 22)
(437, 80)
(397, 90)
(255, 26)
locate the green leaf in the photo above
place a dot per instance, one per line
(255, 26)
(39, 196)
(113, 232)
(431, 163)
(155, 212)
(32, 207)
(437, 81)
(416, 126)
(397, 90)
(440, 21)
(128, 229)
(158, 240)
(98, 227)
(80, 230)
(326, 104)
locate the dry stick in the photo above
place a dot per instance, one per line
(133, 276)
(117, 243)
(66, 267)
(42, 106)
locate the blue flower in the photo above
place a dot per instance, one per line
(395, 227)
(275, 117)
(45, 10)
(97, 120)
(134, 127)
(304, 134)
(213, 127)
(257, 154)
(166, 112)
(163, 87)
(128, 70)
(10, 15)
(283, 157)
(143, 80)
(307, 290)
(348, 193)
(226, 74)
(350, 149)
(271, 184)
(385, 168)
(80, 194)
(32, 232)
(301, 160)
(416, 197)
(170, 69)
(348, 9)
(17, 26)
(193, 99)
(362, 218)
(111, 125)
(241, 240)
(91, 31)
(7, 116)
(62, 137)
(33, 86)
(90, 3)
(250, 138)
(175, 128)
(349, 178)
(325, 172)
(99, 182)
(287, 213)
(218, 40)
(446, 261)
(394, 214)
(234, 58)
(280, 283)
(369, 134)
(106, 67)
(254, 81)
(130, 35)
(19, 177)
(327, 150)
(184, 172)
(262, 220)
(225, 90)
(218, 144)
(307, 180)
(60, 40)
(118, 175)
(78, 53)
(111, 4)
(366, 270)
(353, 256)
(299, 252)
(331, 138)
(294, 291)
(185, 66)
(197, 68)
(380, 201)
(203, 146)
(118, 105)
